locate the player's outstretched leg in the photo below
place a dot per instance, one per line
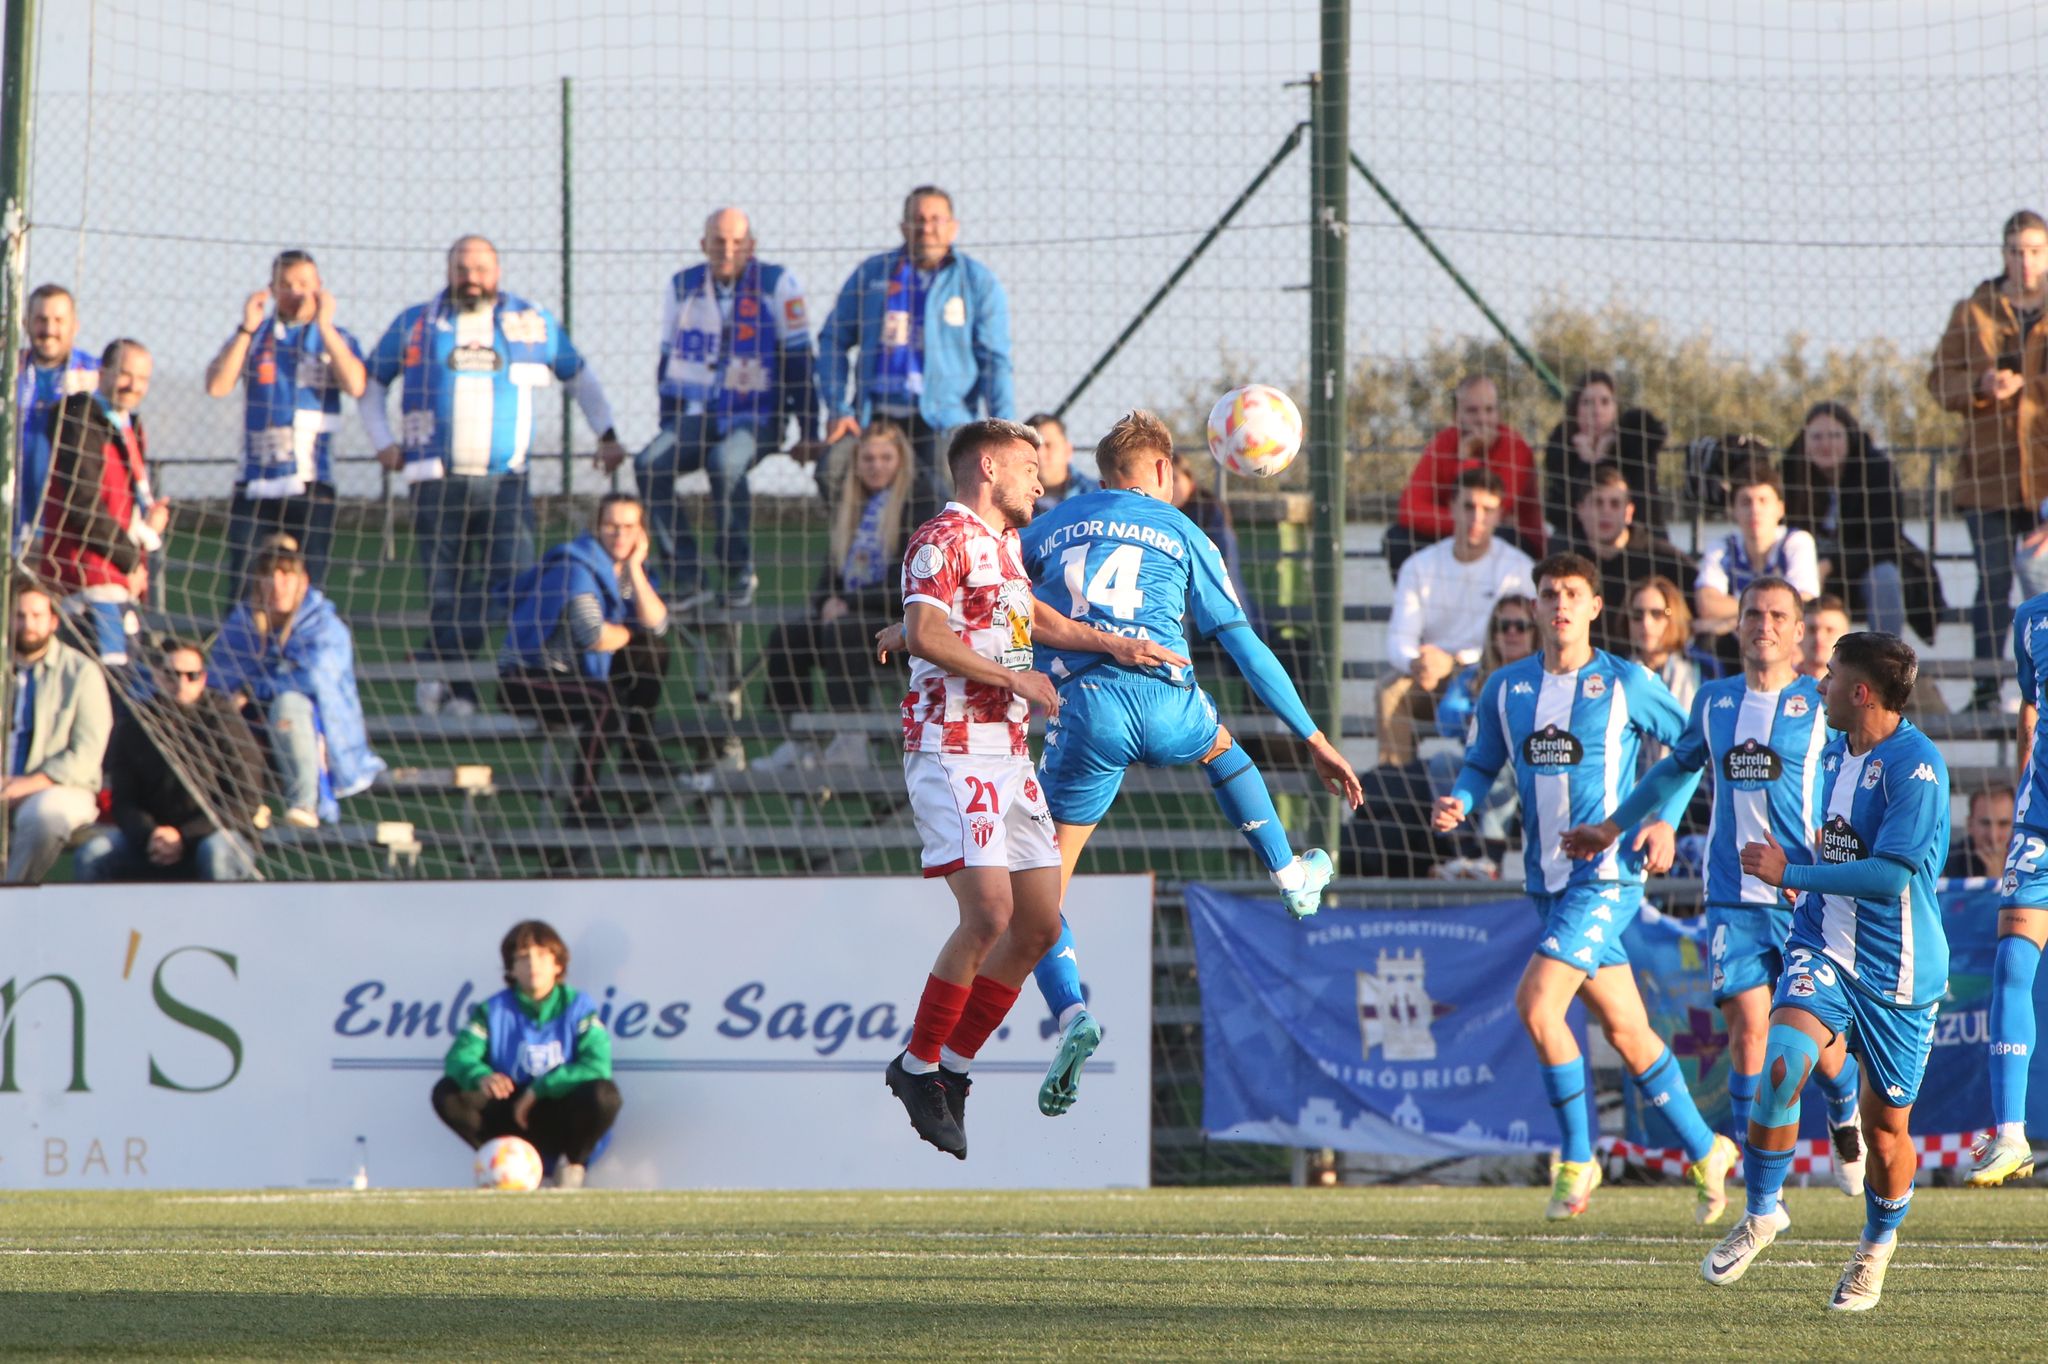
(1893, 1161)
(1240, 791)
(1842, 1089)
(1789, 1057)
(1058, 975)
(2009, 1157)
(1542, 998)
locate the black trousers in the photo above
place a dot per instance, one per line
(602, 713)
(842, 652)
(569, 1125)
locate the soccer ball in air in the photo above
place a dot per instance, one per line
(508, 1163)
(1255, 431)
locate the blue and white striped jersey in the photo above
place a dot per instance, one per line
(1891, 802)
(1765, 749)
(1573, 738)
(2030, 651)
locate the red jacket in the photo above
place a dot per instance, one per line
(97, 480)
(1426, 501)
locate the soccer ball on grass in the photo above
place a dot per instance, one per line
(1255, 431)
(508, 1163)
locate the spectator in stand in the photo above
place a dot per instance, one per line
(1626, 554)
(52, 369)
(533, 1061)
(1761, 544)
(294, 364)
(1660, 638)
(1844, 489)
(1987, 836)
(179, 763)
(588, 647)
(736, 368)
(1478, 439)
(101, 522)
(472, 359)
(1056, 472)
(1510, 634)
(1595, 432)
(1990, 369)
(287, 660)
(58, 720)
(1827, 620)
(858, 594)
(933, 329)
(1436, 624)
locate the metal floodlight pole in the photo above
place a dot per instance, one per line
(1287, 146)
(1529, 357)
(1329, 142)
(14, 144)
(568, 278)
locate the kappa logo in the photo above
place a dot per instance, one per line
(1550, 945)
(1596, 934)
(1797, 707)
(1923, 772)
(1583, 954)
(1596, 687)
(1831, 764)
(1069, 953)
(1873, 774)
(1725, 703)
(1603, 914)
(1522, 689)
(1250, 825)
(1894, 1092)
(1612, 893)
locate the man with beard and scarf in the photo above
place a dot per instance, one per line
(471, 360)
(59, 718)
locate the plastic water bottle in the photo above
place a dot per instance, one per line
(362, 1179)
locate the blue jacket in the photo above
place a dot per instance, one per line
(541, 593)
(966, 342)
(318, 660)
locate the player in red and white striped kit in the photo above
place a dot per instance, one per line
(968, 622)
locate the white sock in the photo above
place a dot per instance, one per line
(954, 1061)
(917, 1065)
(2016, 1130)
(1291, 876)
(1069, 1014)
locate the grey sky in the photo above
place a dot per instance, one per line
(1838, 169)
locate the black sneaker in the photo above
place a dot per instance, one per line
(924, 1099)
(957, 1085)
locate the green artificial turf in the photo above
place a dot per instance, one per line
(1153, 1274)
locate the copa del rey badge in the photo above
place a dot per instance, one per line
(926, 562)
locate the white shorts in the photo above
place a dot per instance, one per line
(977, 811)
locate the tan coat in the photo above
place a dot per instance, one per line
(2005, 445)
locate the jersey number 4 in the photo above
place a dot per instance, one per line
(1114, 586)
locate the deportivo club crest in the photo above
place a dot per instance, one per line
(1796, 707)
(1596, 687)
(1394, 1011)
(1873, 774)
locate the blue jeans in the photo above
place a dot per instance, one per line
(109, 856)
(1994, 536)
(294, 731)
(693, 443)
(475, 534)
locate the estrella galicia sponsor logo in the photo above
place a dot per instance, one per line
(1751, 762)
(474, 359)
(1840, 843)
(1553, 747)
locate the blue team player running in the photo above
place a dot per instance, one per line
(1763, 733)
(1866, 958)
(1572, 720)
(2022, 922)
(1128, 563)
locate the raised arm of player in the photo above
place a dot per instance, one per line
(1667, 786)
(1484, 758)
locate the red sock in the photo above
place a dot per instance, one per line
(938, 1014)
(987, 1006)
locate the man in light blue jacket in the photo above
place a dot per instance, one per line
(933, 329)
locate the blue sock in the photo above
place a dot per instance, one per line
(1764, 1174)
(1241, 794)
(1741, 1089)
(2012, 1026)
(1058, 973)
(1881, 1215)
(1565, 1084)
(1663, 1088)
(1843, 1091)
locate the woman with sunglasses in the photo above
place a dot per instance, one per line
(1510, 634)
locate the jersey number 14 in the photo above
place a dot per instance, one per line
(1114, 586)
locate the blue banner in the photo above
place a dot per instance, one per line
(1391, 1031)
(1671, 967)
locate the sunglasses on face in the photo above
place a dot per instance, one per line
(193, 675)
(1642, 613)
(1510, 626)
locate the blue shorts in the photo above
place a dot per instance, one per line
(1891, 1041)
(2025, 883)
(1582, 925)
(1746, 946)
(1110, 722)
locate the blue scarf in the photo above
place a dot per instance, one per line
(867, 564)
(738, 377)
(899, 371)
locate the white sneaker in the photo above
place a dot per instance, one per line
(1862, 1282)
(1781, 1219)
(461, 707)
(2006, 1158)
(302, 819)
(847, 749)
(430, 694)
(790, 754)
(1849, 1153)
(568, 1175)
(1732, 1256)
